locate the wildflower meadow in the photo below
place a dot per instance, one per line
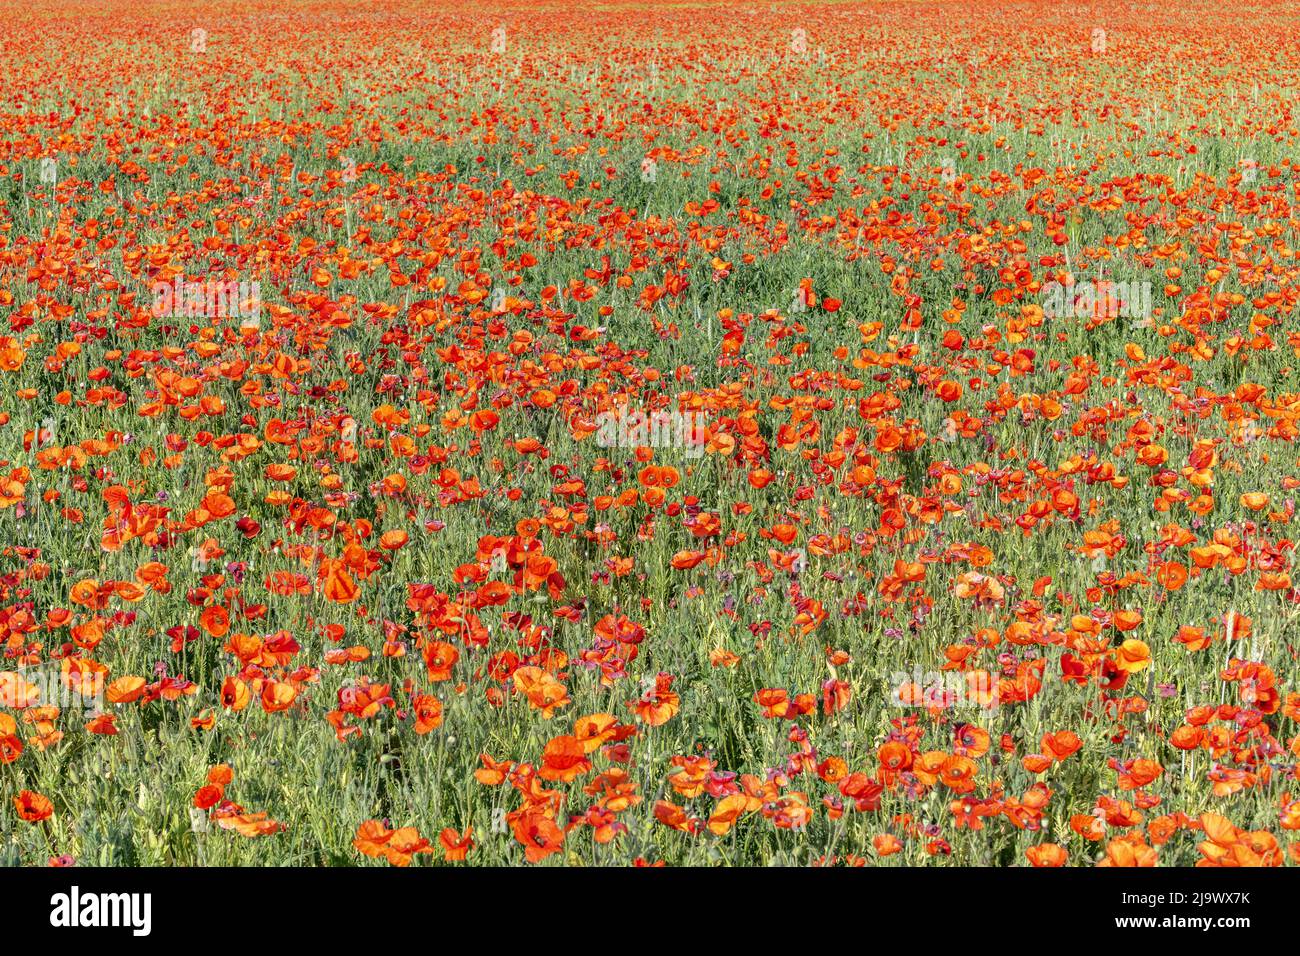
(614, 433)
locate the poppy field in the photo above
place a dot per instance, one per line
(621, 433)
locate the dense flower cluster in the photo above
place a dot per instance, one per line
(970, 536)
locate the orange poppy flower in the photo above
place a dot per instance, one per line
(33, 807)
(539, 835)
